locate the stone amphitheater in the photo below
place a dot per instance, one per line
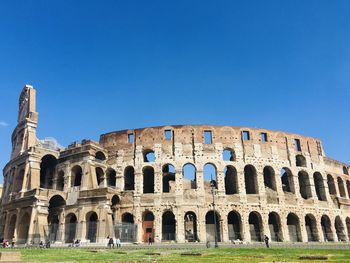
(182, 183)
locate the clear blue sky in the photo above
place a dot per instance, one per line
(100, 66)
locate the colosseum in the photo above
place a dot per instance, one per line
(181, 183)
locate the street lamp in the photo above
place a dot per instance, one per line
(213, 189)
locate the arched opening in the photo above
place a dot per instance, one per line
(111, 177)
(189, 176)
(91, 226)
(287, 180)
(190, 221)
(100, 156)
(60, 181)
(47, 171)
(300, 160)
(211, 220)
(70, 227)
(18, 181)
(231, 181)
(168, 178)
(331, 185)
(326, 228)
(341, 187)
(100, 177)
(250, 180)
(319, 187)
(304, 185)
(11, 227)
(255, 227)
(148, 180)
(234, 226)
(129, 178)
(275, 227)
(127, 230)
(269, 178)
(168, 226)
(76, 175)
(311, 228)
(293, 228)
(56, 206)
(339, 227)
(347, 221)
(209, 174)
(148, 156)
(127, 218)
(115, 200)
(148, 226)
(348, 187)
(345, 170)
(23, 228)
(229, 155)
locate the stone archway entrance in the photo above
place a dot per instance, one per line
(148, 226)
(23, 229)
(70, 228)
(91, 227)
(190, 221)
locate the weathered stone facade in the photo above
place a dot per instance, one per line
(156, 182)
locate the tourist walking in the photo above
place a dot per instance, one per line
(266, 239)
(118, 243)
(110, 242)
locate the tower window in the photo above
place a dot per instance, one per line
(167, 134)
(263, 136)
(208, 138)
(245, 135)
(131, 137)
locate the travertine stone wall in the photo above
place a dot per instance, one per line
(84, 192)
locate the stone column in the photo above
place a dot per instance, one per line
(158, 226)
(321, 237)
(245, 227)
(303, 228)
(180, 226)
(158, 179)
(221, 182)
(284, 228)
(201, 227)
(224, 225)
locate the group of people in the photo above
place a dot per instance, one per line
(111, 242)
(6, 244)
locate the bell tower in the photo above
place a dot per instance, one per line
(24, 135)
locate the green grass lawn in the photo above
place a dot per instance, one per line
(208, 255)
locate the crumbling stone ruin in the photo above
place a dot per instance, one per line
(178, 183)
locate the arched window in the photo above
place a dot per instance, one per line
(250, 179)
(100, 156)
(269, 178)
(319, 187)
(76, 175)
(99, 176)
(229, 155)
(60, 181)
(168, 178)
(341, 187)
(304, 185)
(287, 180)
(209, 174)
(331, 185)
(231, 181)
(56, 204)
(47, 171)
(189, 176)
(345, 170)
(111, 177)
(129, 178)
(348, 187)
(300, 160)
(127, 218)
(148, 180)
(148, 156)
